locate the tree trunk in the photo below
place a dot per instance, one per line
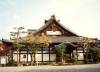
(34, 58)
(12, 56)
(17, 57)
(62, 60)
(31, 58)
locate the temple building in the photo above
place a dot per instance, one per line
(57, 34)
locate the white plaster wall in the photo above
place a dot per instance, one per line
(29, 57)
(80, 56)
(3, 59)
(39, 52)
(38, 57)
(53, 57)
(23, 59)
(45, 51)
(45, 57)
(23, 52)
(15, 57)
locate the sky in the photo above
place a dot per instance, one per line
(80, 16)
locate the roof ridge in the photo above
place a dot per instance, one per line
(45, 25)
(67, 28)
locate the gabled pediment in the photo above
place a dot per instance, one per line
(53, 27)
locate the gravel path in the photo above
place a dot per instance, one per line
(48, 68)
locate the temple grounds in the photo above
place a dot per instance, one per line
(49, 68)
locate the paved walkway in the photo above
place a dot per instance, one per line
(48, 68)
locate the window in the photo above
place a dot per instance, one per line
(24, 56)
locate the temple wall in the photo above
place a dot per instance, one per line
(25, 57)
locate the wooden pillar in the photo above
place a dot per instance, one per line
(19, 52)
(31, 56)
(42, 54)
(77, 54)
(27, 55)
(34, 58)
(6, 58)
(12, 56)
(83, 54)
(49, 54)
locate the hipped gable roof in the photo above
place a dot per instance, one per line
(47, 23)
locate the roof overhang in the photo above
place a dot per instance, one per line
(65, 39)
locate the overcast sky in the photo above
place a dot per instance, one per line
(80, 16)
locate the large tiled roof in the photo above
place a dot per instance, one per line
(43, 27)
(65, 39)
(50, 21)
(6, 40)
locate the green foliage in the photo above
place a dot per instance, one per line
(17, 45)
(43, 40)
(74, 58)
(96, 52)
(36, 42)
(60, 49)
(11, 63)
